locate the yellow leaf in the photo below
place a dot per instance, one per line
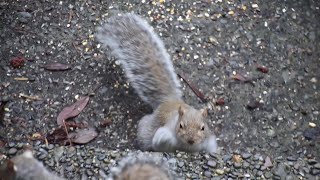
(36, 135)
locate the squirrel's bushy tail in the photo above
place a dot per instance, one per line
(143, 57)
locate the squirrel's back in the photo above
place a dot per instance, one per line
(143, 56)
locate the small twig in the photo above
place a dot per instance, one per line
(75, 47)
(30, 97)
(46, 141)
(194, 89)
(66, 130)
(70, 16)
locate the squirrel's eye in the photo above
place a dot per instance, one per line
(181, 126)
(202, 128)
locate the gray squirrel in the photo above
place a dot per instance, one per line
(173, 125)
(25, 167)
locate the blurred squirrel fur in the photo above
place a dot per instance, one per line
(26, 167)
(148, 166)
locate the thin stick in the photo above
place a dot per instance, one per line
(65, 128)
(193, 88)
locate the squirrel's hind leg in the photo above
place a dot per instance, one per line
(164, 140)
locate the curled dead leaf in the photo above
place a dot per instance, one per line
(83, 136)
(73, 110)
(17, 62)
(76, 125)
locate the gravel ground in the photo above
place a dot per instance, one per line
(260, 58)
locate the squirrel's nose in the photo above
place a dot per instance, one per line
(191, 141)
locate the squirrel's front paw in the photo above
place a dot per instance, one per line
(163, 140)
(211, 145)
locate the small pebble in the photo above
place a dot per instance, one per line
(219, 171)
(290, 158)
(42, 156)
(208, 174)
(317, 166)
(12, 151)
(212, 164)
(227, 157)
(312, 161)
(246, 155)
(312, 125)
(181, 164)
(315, 172)
(267, 174)
(245, 164)
(237, 165)
(254, 6)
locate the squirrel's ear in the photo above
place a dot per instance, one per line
(181, 111)
(204, 112)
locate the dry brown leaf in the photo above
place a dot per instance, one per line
(83, 136)
(73, 110)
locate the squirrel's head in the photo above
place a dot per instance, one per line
(192, 127)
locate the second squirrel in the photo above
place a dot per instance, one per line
(26, 167)
(174, 125)
(138, 166)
